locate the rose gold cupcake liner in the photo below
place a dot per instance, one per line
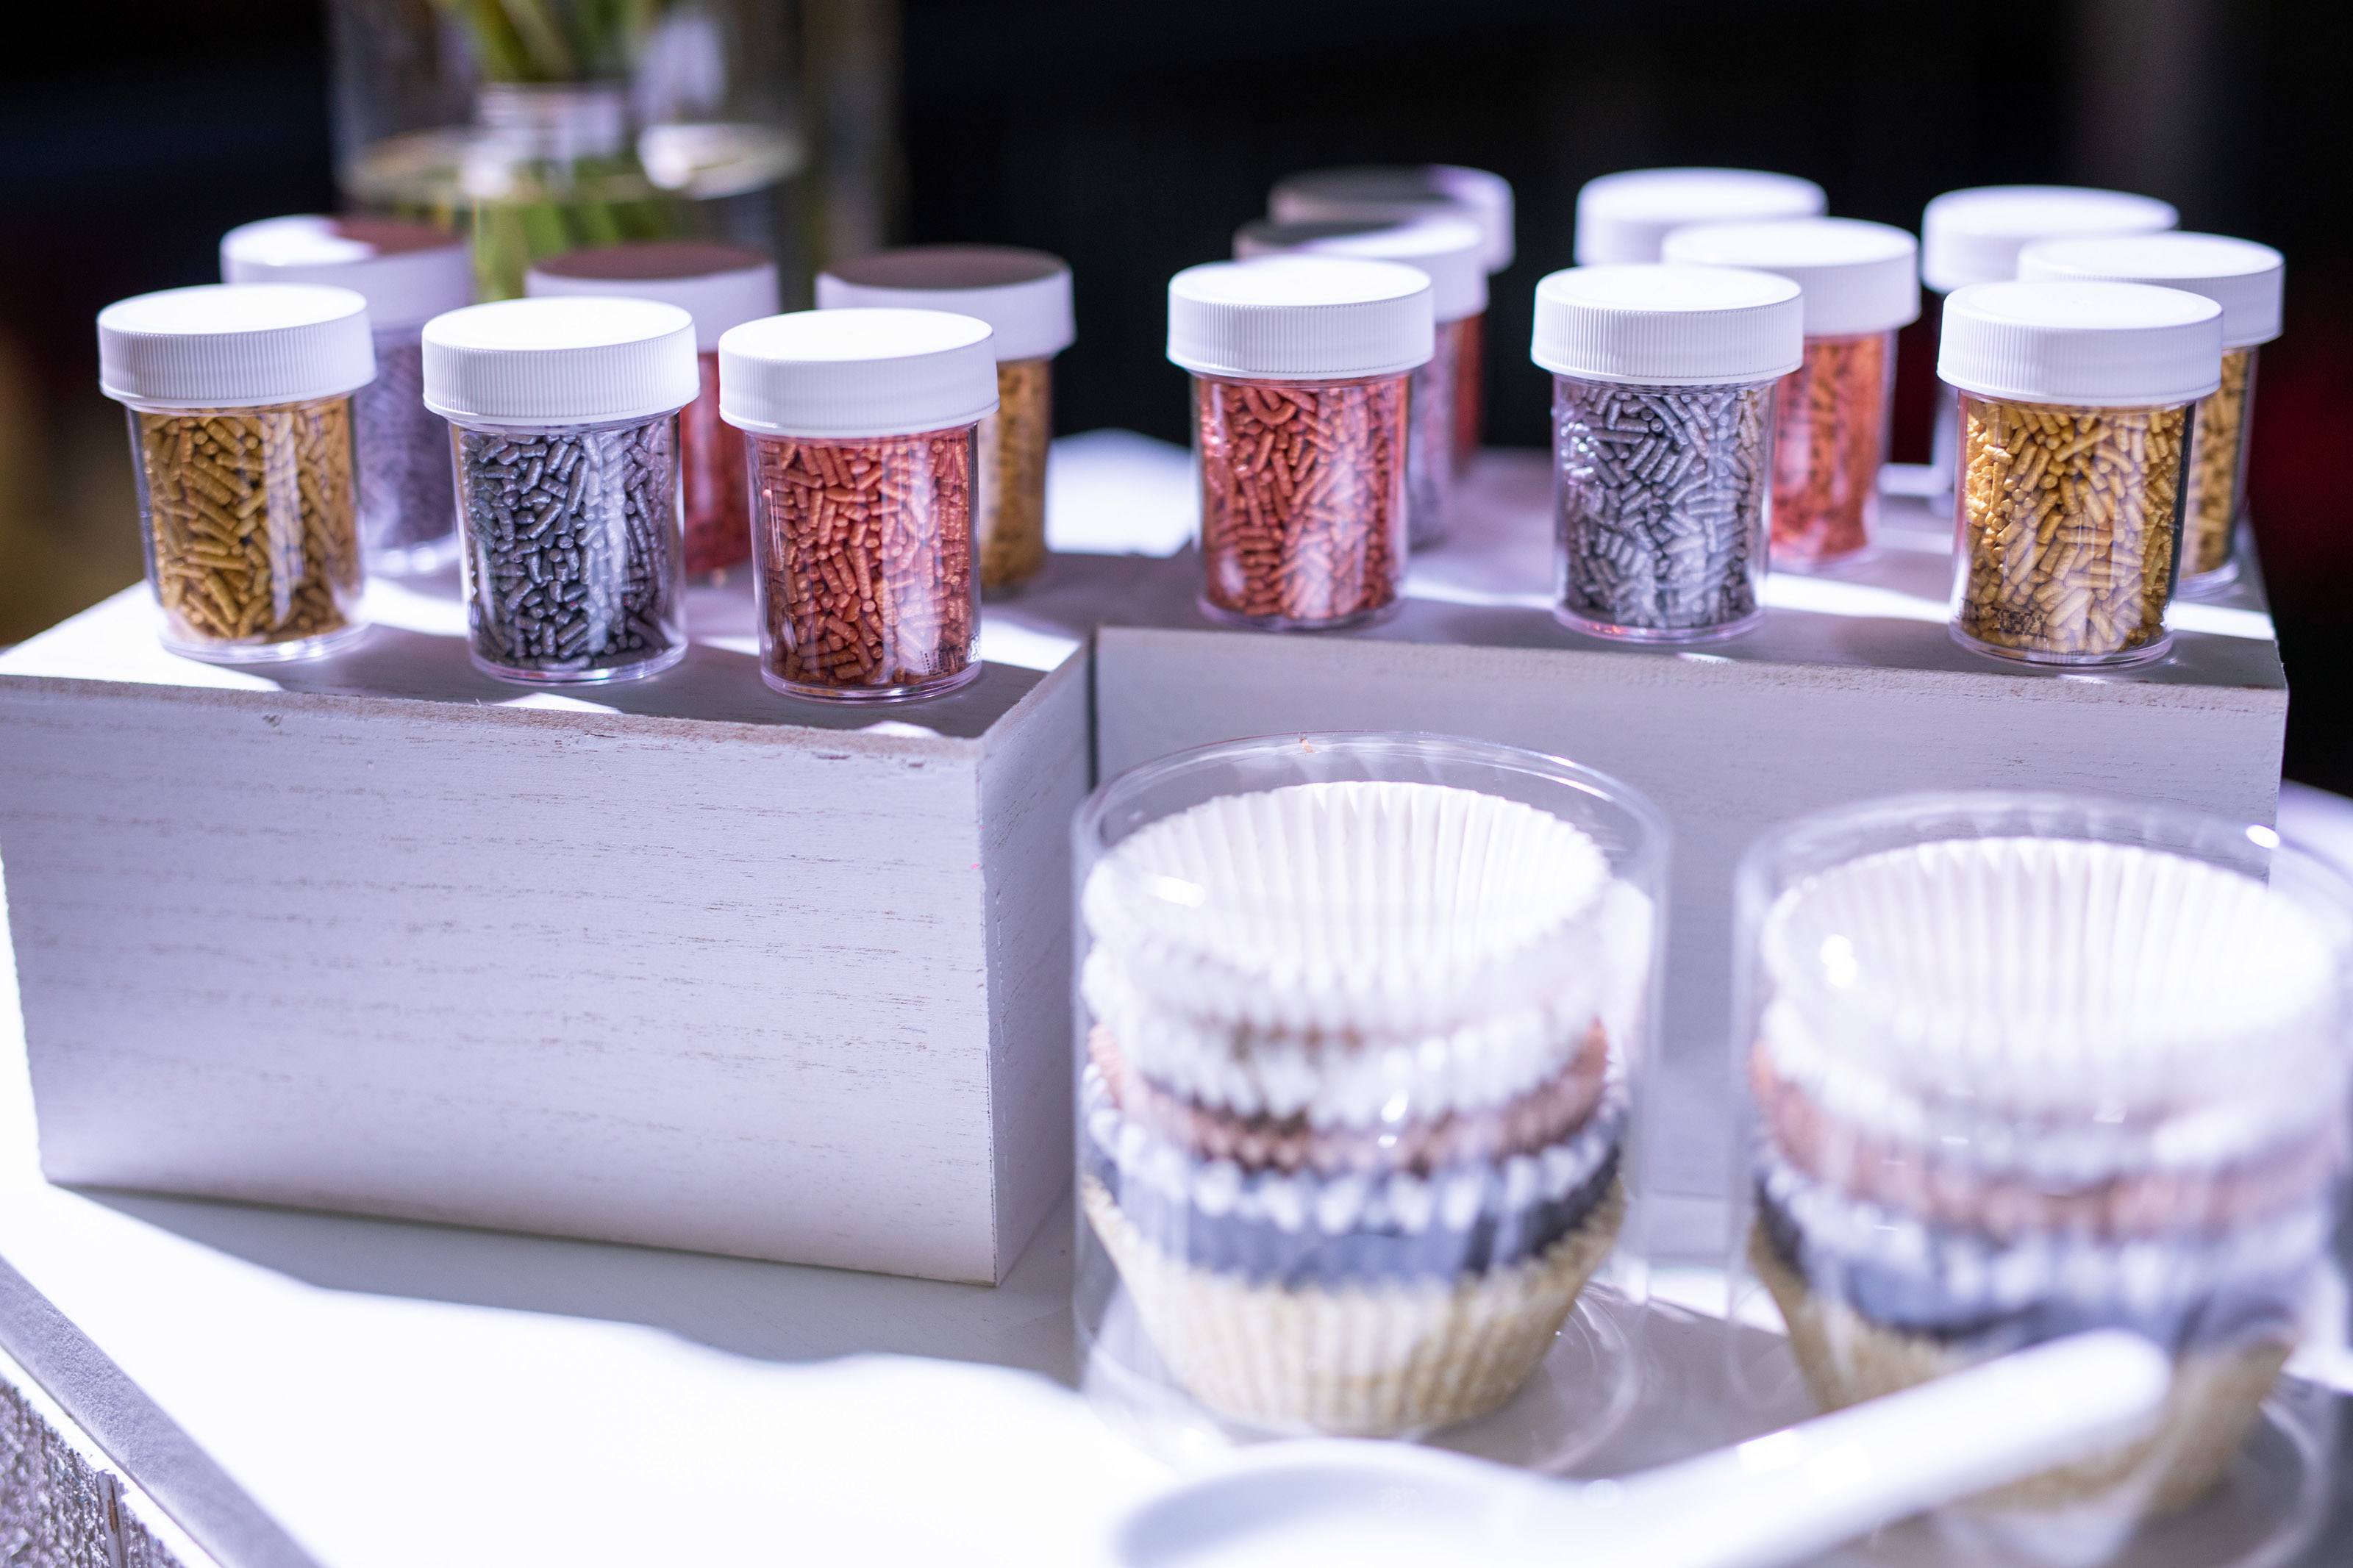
(1353, 1358)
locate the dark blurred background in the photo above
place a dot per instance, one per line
(1132, 138)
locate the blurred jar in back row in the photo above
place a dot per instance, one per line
(720, 285)
(1860, 284)
(408, 273)
(1024, 296)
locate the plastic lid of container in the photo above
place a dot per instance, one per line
(1857, 277)
(1624, 216)
(1451, 250)
(1023, 295)
(407, 272)
(224, 346)
(857, 371)
(2243, 278)
(560, 362)
(1300, 318)
(1975, 235)
(2093, 344)
(1398, 193)
(1654, 324)
(720, 285)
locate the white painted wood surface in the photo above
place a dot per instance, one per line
(677, 962)
(1850, 688)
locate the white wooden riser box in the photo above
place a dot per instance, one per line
(679, 963)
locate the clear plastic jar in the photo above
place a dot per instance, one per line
(566, 447)
(1976, 236)
(1410, 194)
(1363, 1021)
(1861, 284)
(1663, 437)
(863, 427)
(408, 273)
(720, 285)
(2024, 1065)
(2076, 417)
(1025, 298)
(1300, 366)
(1625, 217)
(240, 413)
(2246, 280)
(1451, 251)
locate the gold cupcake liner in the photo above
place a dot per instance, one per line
(1371, 1360)
(2216, 1399)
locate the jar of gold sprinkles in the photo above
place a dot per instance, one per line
(2078, 407)
(2246, 280)
(240, 404)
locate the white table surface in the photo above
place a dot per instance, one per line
(397, 1394)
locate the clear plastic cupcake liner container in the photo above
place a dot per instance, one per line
(2020, 1066)
(1364, 1021)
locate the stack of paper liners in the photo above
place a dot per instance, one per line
(2103, 1091)
(1351, 1123)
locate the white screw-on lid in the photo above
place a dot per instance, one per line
(1023, 295)
(2097, 345)
(221, 345)
(560, 362)
(1624, 216)
(856, 373)
(720, 285)
(1857, 277)
(1399, 192)
(2243, 278)
(407, 272)
(1657, 325)
(1300, 318)
(1451, 250)
(1975, 235)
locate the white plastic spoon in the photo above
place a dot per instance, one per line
(1772, 1500)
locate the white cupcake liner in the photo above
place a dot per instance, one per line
(2045, 975)
(2065, 1148)
(1373, 1360)
(1383, 907)
(1339, 1082)
(2216, 1398)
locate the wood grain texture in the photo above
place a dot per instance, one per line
(1032, 778)
(1726, 748)
(722, 986)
